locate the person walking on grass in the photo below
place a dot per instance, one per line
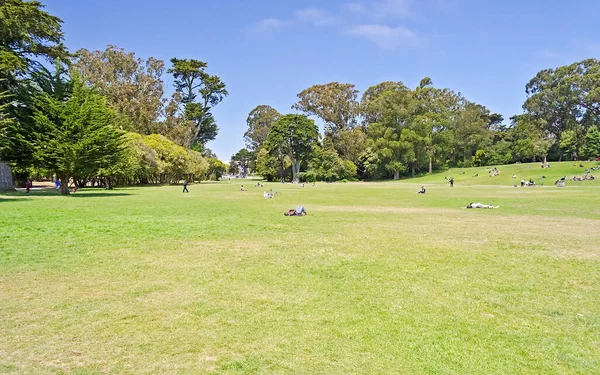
(185, 189)
(28, 185)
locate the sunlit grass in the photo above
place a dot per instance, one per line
(376, 280)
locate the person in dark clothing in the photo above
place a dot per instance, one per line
(451, 181)
(28, 185)
(422, 191)
(185, 189)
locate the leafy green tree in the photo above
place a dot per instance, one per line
(592, 143)
(295, 137)
(259, 121)
(566, 98)
(571, 143)
(173, 161)
(242, 159)
(216, 168)
(391, 106)
(433, 115)
(192, 80)
(532, 140)
(272, 165)
(326, 165)
(335, 103)
(370, 105)
(79, 136)
(368, 164)
(133, 87)
(470, 130)
(351, 143)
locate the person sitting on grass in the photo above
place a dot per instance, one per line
(480, 205)
(299, 211)
(267, 195)
(422, 191)
(242, 188)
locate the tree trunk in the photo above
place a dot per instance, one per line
(396, 174)
(64, 184)
(6, 180)
(545, 159)
(430, 164)
(297, 171)
(412, 169)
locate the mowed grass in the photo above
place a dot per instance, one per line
(376, 280)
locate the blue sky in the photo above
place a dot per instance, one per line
(267, 51)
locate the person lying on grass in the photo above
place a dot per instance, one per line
(299, 211)
(480, 205)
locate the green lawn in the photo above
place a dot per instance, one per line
(376, 280)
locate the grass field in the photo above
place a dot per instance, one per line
(376, 280)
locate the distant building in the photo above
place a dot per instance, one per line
(6, 181)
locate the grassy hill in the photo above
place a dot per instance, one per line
(481, 175)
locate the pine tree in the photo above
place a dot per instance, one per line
(79, 135)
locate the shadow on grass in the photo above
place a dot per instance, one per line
(92, 194)
(6, 200)
(19, 196)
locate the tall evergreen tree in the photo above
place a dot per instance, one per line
(192, 80)
(77, 137)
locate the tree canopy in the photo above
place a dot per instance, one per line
(192, 80)
(295, 137)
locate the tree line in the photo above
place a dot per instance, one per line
(99, 117)
(103, 118)
(394, 130)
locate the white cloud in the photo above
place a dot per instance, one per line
(360, 18)
(269, 24)
(354, 7)
(388, 37)
(381, 9)
(317, 17)
(392, 8)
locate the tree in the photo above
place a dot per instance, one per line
(434, 112)
(79, 135)
(6, 182)
(216, 168)
(18, 144)
(273, 164)
(571, 143)
(351, 143)
(592, 143)
(242, 159)
(133, 87)
(294, 136)
(191, 80)
(566, 98)
(370, 110)
(470, 131)
(326, 165)
(259, 121)
(532, 140)
(27, 35)
(335, 103)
